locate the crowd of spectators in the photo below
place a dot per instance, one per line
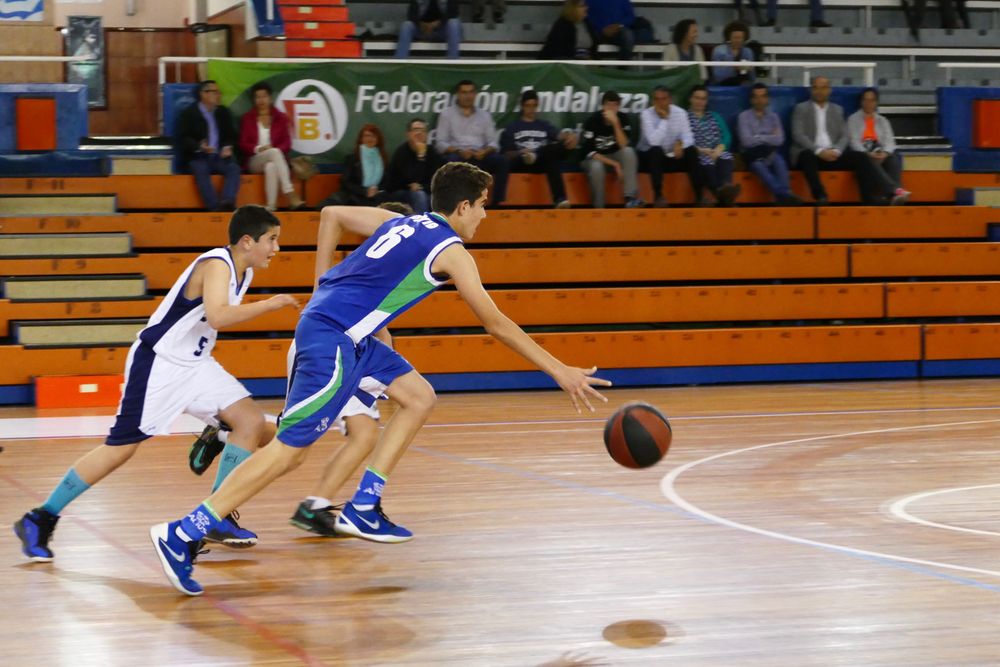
(663, 138)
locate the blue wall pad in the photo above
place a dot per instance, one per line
(58, 163)
(272, 28)
(176, 96)
(266, 387)
(961, 368)
(17, 394)
(955, 123)
(71, 112)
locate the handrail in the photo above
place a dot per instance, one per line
(947, 67)
(806, 65)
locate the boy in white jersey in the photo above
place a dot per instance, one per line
(170, 370)
(402, 262)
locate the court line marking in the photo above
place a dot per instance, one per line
(668, 487)
(97, 426)
(898, 509)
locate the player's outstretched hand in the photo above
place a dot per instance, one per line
(281, 300)
(579, 384)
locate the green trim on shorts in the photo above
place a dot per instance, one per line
(314, 403)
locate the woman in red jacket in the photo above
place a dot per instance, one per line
(265, 139)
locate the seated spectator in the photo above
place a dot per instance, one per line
(203, 140)
(265, 139)
(499, 8)
(820, 143)
(734, 50)
(466, 133)
(871, 134)
(433, 21)
(684, 46)
(916, 11)
(606, 148)
(533, 145)
(667, 145)
(571, 37)
(363, 182)
(815, 13)
(412, 165)
(615, 22)
(761, 138)
(712, 140)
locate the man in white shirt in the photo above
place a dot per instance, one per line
(666, 144)
(466, 133)
(819, 143)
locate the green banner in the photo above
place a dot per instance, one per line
(329, 103)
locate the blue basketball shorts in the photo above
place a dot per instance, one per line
(327, 371)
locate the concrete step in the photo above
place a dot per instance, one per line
(69, 288)
(100, 244)
(78, 204)
(922, 161)
(978, 196)
(142, 166)
(61, 333)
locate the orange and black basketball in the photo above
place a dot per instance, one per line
(637, 435)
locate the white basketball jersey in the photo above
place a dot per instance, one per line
(178, 330)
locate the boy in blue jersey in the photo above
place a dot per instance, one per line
(403, 261)
(170, 370)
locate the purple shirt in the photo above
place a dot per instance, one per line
(763, 130)
(213, 129)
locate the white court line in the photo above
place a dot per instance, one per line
(898, 509)
(668, 487)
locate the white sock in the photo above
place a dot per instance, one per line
(223, 436)
(317, 503)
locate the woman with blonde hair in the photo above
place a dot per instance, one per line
(265, 139)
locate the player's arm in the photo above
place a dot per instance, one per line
(334, 220)
(215, 294)
(456, 261)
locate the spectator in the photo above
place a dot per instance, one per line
(533, 145)
(364, 180)
(684, 46)
(815, 13)
(615, 22)
(915, 15)
(265, 139)
(667, 145)
(412, 165)
(571, 37)
(203, 140)
(466, 133)
(871, 134)
(820, 142)
(712, 140)
(499, 8)
(606, 147)
(761, 138)
(431, 20)
(734, 50)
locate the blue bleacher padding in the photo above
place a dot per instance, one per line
(273, 28)
(55, 163)
(955, 123)
(71, 112)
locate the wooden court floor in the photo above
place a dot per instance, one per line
(806, 524)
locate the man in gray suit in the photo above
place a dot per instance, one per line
(820, 143)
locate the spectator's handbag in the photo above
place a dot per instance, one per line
(303, 167)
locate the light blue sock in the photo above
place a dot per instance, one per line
(369, 491)
(232, 456)
(65, 492)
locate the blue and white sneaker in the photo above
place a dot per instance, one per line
(176, 556)
(370, 524)
(228, 533)
(34, 529)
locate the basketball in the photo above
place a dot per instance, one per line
(637, 435)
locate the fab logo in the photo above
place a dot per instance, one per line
(318, 114)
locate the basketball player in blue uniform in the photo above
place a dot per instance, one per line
(402, 261)
(170, 370)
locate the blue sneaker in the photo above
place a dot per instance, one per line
(34, 529)
(176, 556)
(228, 533)
(370, 524)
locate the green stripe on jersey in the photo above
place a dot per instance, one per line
(411, 287)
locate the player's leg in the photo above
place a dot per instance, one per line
(363, 516)
(316, 513)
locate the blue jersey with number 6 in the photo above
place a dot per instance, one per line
(385, 276)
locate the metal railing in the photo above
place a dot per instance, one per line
(947, 67)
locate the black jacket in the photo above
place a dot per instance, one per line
(447, 8)
(350, 183)
(405, 168)
(561, 42)
(192, 128)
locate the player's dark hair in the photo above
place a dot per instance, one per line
(397, 207)
(251, 220)
(456, 182)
